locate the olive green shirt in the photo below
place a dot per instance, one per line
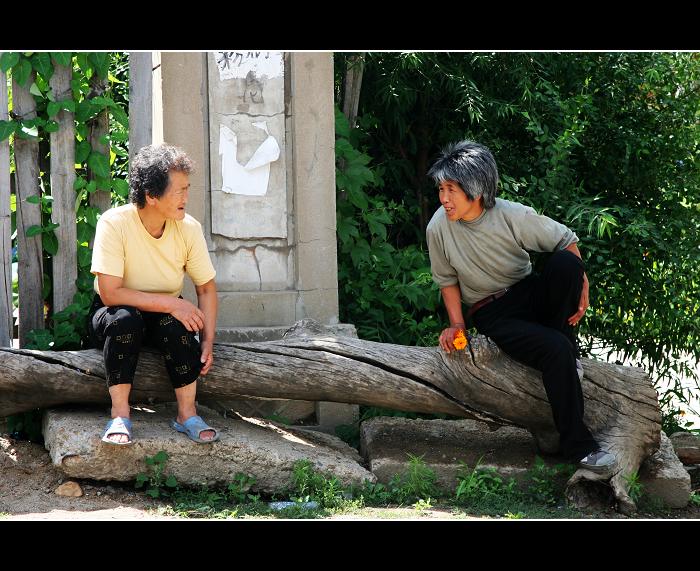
(489, 253)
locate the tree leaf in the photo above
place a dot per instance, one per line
(52, 108)
(33, 230)
(62, 58)
(121, 187)
(84, 63)
(82, 152)
(7, 128)
(99, 164)
(84, 257)
(50, 243)
(51, 126)
(8, 60)
(30, 131)
(21, 71)
(80, 182)
(42, 63)
(34, 90)
(120, 117)
(91, 215)
(100, 62)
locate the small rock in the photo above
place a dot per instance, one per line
(69, 490)
(99, 493)
(687, 447)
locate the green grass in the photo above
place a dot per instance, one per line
(480, 493)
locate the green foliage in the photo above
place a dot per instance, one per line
(546, 484)
(606, 143)
(695, 498)
(309, 485)
(67, 329)
(385, 290)
(417, 483)
(673, 418)
(634, 486)
(238, 491)
(199, 501)
(481, 483)
(422, 505)
(26, 425)
(373, 494)
(159, 485)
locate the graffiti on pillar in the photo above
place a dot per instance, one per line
(253, 89)
(253, 177)
(238, 64)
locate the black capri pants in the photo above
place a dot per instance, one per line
(121, 330)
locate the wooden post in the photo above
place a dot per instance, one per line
(5, 227)
(99, 126)
(65, 263)
(140, 101)
(30, 266)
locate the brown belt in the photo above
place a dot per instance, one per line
(488, 299)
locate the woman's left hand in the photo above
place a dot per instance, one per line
(582, 304)
(207, 356)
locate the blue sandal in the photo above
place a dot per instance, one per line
(193, 427)
(118, 425)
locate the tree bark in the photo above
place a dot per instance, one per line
(481, 382)
(30, 266)
(99, 127)
(65, 261)
(6, 329)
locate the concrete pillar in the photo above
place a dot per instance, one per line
(312, 138)
(275, 255)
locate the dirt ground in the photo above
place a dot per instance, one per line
(28, 482)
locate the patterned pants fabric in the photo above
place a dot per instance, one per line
(120, 332)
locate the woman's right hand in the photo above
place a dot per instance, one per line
(448, 336)
(188, 314)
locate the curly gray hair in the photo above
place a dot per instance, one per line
(149, 173)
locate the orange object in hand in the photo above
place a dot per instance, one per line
(460, 341)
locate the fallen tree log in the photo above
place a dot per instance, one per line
(621, 405)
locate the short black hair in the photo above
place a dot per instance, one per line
(149, 173)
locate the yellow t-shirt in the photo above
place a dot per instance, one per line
(124, 248)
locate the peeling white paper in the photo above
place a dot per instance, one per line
(251, 179)
(237, 64)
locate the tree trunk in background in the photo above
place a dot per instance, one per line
(30, 266)
(481, 382)
(65, 261)
(5, 227)
(98, 128)
(353, 85)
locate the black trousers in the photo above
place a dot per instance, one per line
(120, 331)
(530, 324)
